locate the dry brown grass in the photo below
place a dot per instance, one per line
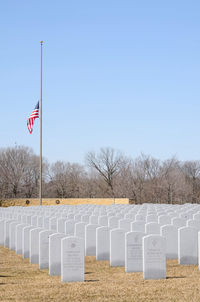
(21, 281)
(68, 201)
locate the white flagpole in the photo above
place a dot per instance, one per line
(41, 43)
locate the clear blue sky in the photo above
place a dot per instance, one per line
(124, 74)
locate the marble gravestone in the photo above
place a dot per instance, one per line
(133, 252)
(125, 224)
(179, 222)
(55, 254)
(154, 257)
(80, 229)
(196, 216)
(90, 239)
(61, 225)
(164, 220)
(69, 227)
(53, 224)
(12, 234)
(152, 228)
(26, 241)
(44, 249)
(117, 247)
(34, 220)
(6, 232)
(138, 226)
(103, 221)
(34, 245)
(194, 224)
(170, 233)
(152, 218)
(199, 248)
(94, 219)
(2, 232)
(18, 237)
(103, 243)
(40, 221)
(113, 222)
(77, 218)
(72, 259)
(188, 246)
(46, 223)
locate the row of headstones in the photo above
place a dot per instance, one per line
(129, 212)
(94, 217)
(61, 254)
(65, 256)
(115, 235)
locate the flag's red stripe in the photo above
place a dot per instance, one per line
(31, 119)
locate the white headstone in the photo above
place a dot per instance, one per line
(72, 259)
(125, 224)
(26, 241)
(46, 223)
(103, 220)
(85, 218)
(199, 248)
(55, 254)
(188, 246)
(6, 232)
(164, 220)
(179, 222)
(69, 227)
(18, 237)
(196, 216)
(40, 221)
(154, 257)
(90, 239)
(53, 224)
(12, 234)
(94, 219)
(138, 226)
(133, 252)
(117, 247)
(152, 228)
(2, 232)
(152, 218)
(34, 245)
(103, 243)
(113, 222)
(34, 220)
(170, 232)
(140, 217)
(44, 249)
(61, 225)
(24, 219)
(80, 230)
(194, 224)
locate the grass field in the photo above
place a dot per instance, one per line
(22, 281)
(63, 201)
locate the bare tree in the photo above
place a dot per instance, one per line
(191, 170)
(66, 179)
(107, 163)
(13, 163)
(144, 179)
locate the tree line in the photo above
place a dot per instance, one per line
(106, 173)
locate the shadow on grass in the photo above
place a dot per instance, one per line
(87, 273)
(91, 280)
(176, 277)
(1, 276)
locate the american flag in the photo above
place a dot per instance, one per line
(32, 117)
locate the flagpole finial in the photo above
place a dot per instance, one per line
(41, 42)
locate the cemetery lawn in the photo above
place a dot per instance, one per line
(22, 281)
